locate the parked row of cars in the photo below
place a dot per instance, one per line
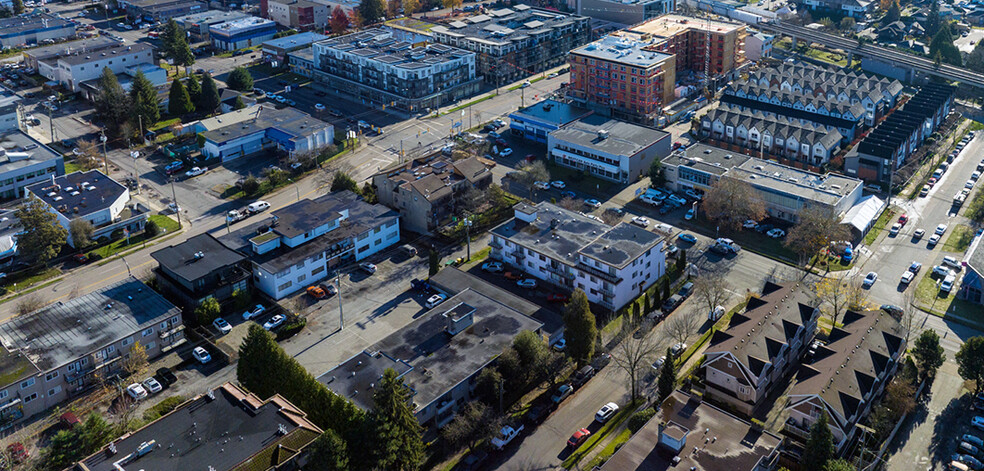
(970, 449)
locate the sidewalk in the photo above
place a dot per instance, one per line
(506, 88)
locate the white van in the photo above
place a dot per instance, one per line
(258, 206)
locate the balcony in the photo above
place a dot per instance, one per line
(597, 272)
(792, 428)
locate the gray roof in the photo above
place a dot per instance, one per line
(295, 41)
(827, 189)
(32, 22)
(210, 17)
(551, 112)
(22, 150)
(778, 126)
(507, 25)
(433, 361)
(708, 159)
(622, 244)
(220, 434)
(65, 331)
(625, 47)
(287, 120)
(120, 49)
(383, 45)
(623, 138)
(754, 90)
(66, 48)
(830, 80)
(975, 256)
(181, 260)
(304, 216)
(86, 192)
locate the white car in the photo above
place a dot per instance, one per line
(941, 229)
(541, 185)
(776, 233)
(505, 152)
(934, 239)
(256, 311)
(640, 221)
(136, 391)
(750, 224)
(869, 279)
(527, 283)
(606, 412)
(319, 107)
(558, 184)
(918, 234)
(433, 301)
(907, 277)
(368, 267)
(274, 322)
(952, 262)
(194, 172)
(222, 325)
(895, 229)
(969, 184)
(492, 267)
(152, 385)
(201, 355)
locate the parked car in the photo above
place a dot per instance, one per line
(606, 412)
(869, 279)
(536, 414)
(907, 277)
(560, 344)
(562, 392)
(152, 385)
(640, 221)
(894, 231)
(578, 438)
(222, 325)
(528, 283)
(541, 185)
(558, 184)
(749, 224)
(918, 234)
(678, 348)
(658, 364)
(201, 355)
(977, 422)
(136, 391)
(687, 237)
(951, 262)
(776, 233)
(941, 229)
(505, 435)
(557, 297)
(194, 172)
(434, 300)
(512, 275)
(255, 312)
(505, 152)
(492, 267)
(274, 322)
(173, 167)
(593, 203)
(368, 267)
(973, 440)
(933, 240)
(686, 289)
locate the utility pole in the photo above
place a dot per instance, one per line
(136, 174)
(177, 209)
(338, 284)
(468, 224)
(51, 124)
(102, 137)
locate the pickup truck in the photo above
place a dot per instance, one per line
(236, 215)
(506, 435)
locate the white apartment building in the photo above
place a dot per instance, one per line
(303, 243)
(612, 265)
(613, 150)
(80, 66)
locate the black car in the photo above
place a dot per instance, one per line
(536, 414)
(165, 377)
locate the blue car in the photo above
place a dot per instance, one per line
(848, 254)
(687, 238)
(592, 202)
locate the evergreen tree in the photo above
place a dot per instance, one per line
(239, 103)
(893, 14)
(328, 453)
(209, 101)
(667, 378)
(240, 80)
(666, 288)
(942, 44)
(933, 19)
(194, 89)
(112, 105)
(398, 436)
(648, 302)
(928, 352)
(371, 11)
(975, 60)
(43, 236)
(580, 329)
(5, 12)
(820, 446)
(172, 32)
(179, 103)
(434, 262)
(18, 6)
(143, 95)
(970, 361)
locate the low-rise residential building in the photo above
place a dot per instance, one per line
(846, 376)
(305, 242)
(972, 283)
(10, 226)
(425, 190)
(301, 15)
(760, 346)
(758, 46)
(514, 43)
(276, 50)
(58, 352)
(197, 24)
(241, 33)
(846, 118)
(612, 150)
(200, 268)
(301, 62)
(83, 65)
(439, 355)
(889, 145)
(536, 121)
(612, 265)
(689, 434)
(90, 89)
(265, 128)
(626, 12)
(25, 161)
(33, 29)
(378, 66)
(161, 10)
(226, 429)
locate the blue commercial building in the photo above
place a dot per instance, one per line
(34, 29)
(242, 33)
(536, 121)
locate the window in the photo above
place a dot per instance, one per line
(284, 286)
(151, 345)
(30, 398)
(3, 394)
(317, 270)
(54, 390)
(27, 383)
(175, 320)
(127, 341)
(301, 278)
(164, 325)
(111, 349)
(149, 331)
(51, 376)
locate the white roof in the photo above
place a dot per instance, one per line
(864, 213)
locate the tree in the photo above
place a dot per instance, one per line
(570, 204)
(209, 101)
(838, 464)
(893, 14)
(681, 262)
(826, 22)
(328, 453)
(369, 193)
(434, 261)
(667, 377)
(933, 20)
(937, 60)
(666, 287)
(730, 202)
(179, 102)
(339, 20)
(820, 446)
(833, 292)
(817, 227)
(473, 424)
(6, 12)
(611, 218)
(410, 7)
(393, 8)
(238, 105)
(343, 182)
(975, 60)
(89, 157)
(398, 443)
(207, 311)
(174, 45)
(194, 88)
(371, 11)
(42, 237)
(928, 353)
(942, 44)
(900, 398)
(847, 23)
(528, 173)
(656, 177)
(18, 7)
(112, 105)
(240, 79)
(970, 362)
(533, 353)
(633, 356)
(72, 445)
(857, 295)
(81, 231)
(135, 360)
(143, 95)
(712, 289)
(488, 385)
(580, 329)
(681, 325)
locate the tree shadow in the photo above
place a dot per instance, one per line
(947, 425)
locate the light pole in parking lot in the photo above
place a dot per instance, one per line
(468, 224)
(102, 138)
(174, 198)
(136, 174)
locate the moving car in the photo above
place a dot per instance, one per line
(869, 279)
(689, 215)
(222, 325)
(136, 391)
(606, 412)
(258, 206)
(274, 322)
(894, 231)
(256, 311)
(434, 300)
(201, 355)
(578, 438)
(152, 385)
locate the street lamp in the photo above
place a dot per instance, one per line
(102, 138)
(136, 174)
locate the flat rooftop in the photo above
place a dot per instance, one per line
(671, 25)
(71, 47)
(828, 188)
(32, 22)
(434, 360)
(384, 45)
(715, 441)
(86, 56)
(221, 430)
(80, 193)
(67, 330)
(623, 138)
(705, 158)
(241, 24)
(304, 216)
(551, 112)
(625, 47)
(210, 17)
(20, 150)
(288, 120)
(181, 259)
(506, 25)
(295, 40)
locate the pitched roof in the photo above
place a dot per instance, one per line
(778, 126)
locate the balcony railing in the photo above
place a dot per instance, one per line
(596, 272)
(791, 428)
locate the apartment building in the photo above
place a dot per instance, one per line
(613, 150)
(439, 355)
(33, 28)
(59, 352)
(686, 38)
(623, 75)
(626, 12)
(25, 161)
(301, 15)
(378, 66)
(760, 346)
(612, 265)
(425, 191)
(246, 132)
(241, 33)
(276, 50)
(200, 268)
(846, 376)
(517, 42)
(303, 243)
(86, 65)
(273, 434)
(758, 46)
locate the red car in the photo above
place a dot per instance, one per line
(81, 258)
(932, 181)
(530, 157)
(557, 297)
(677, 145)
(513, 276)
(578, 438)
(903, 219)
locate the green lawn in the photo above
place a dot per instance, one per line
(959, 239)
(470, 103)
(879, 226)
(605, 454)
(165, 223)
(928, 294)
(72, 167)
(25, 279)
(164, 124)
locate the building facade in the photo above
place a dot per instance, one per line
(301, 15)
(161, 10)
(25, 161)
(611, 150)
(197, 24)
(276, 50)
(626, 12)
(241, 33)
(265, 128)
(758, 46)
(33, 29)
(686, 38)
(82, 66)
(375, 66)
(612, 265)
(200, 268)
(972, 283)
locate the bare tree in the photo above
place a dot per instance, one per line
(681, 325)
(730, 202)
(472, 199)
(571, 204)
(531, 172)
(633, 356)
(711, 289)
(817, 227)
(29, 304)
(908, 319)
(610, 218)
(88, 156)
(857, 296)
(833, 292)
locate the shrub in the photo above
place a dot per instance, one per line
(162, 408)
(291, 329)
(639, 419)
(152, 229)
(251, 185)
